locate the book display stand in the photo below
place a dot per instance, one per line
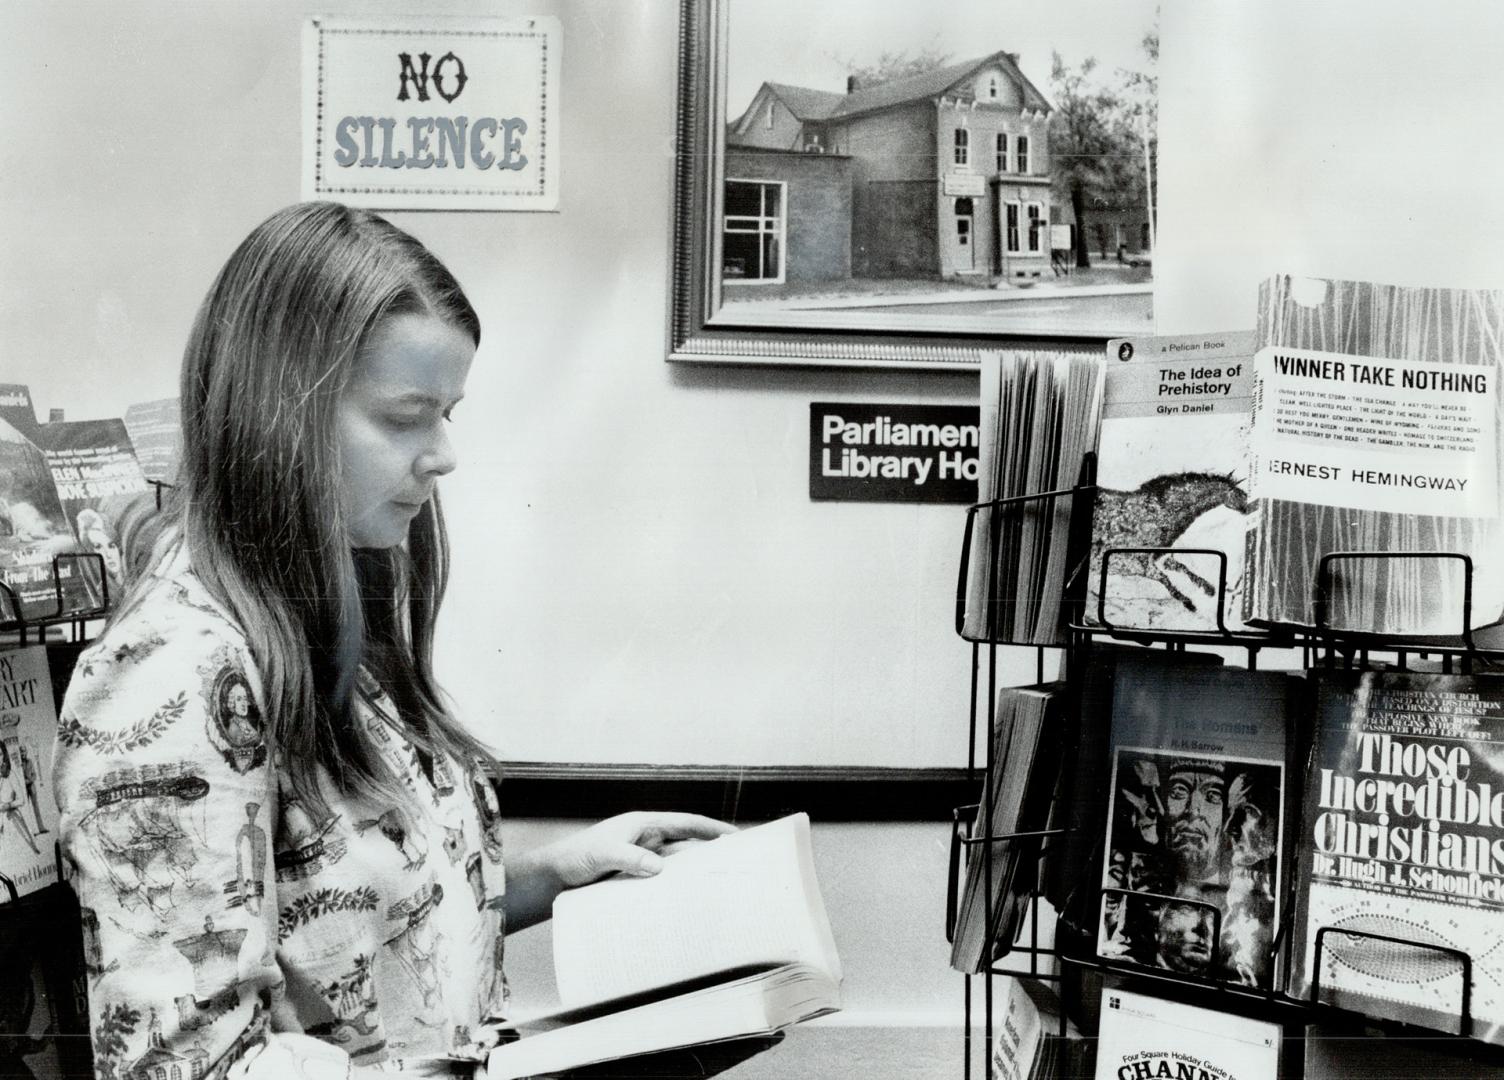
(1067, 959)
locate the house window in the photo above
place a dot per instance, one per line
(1035, 213)
(1002, 151)
(752, 240)
(992, 87)
(1022, 153)
(963, 146)
(767, 117)
(1024, 228)
(1010, 236)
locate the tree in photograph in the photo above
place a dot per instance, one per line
(1099, 133)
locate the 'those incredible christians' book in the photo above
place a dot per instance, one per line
(1401, 861)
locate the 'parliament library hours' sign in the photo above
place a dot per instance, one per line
(893, 453)
(432, 114)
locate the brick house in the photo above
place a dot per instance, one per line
(945, 174)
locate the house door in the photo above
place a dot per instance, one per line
(965, 236)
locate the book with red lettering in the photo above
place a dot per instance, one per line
(1400, 865)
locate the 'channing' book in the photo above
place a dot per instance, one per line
(1376, 428)
(1144, 1038)
(1171, 471)
(730, 939)
(1196, 821)
(1401, 861)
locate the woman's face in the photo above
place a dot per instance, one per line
(390, 419)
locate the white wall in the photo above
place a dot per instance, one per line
(639, 573)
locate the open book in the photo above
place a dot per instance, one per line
(729, 940)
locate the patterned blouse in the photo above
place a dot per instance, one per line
(219, 914)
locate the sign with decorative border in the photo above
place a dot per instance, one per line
(432, 114)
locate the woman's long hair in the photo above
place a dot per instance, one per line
(258, 504)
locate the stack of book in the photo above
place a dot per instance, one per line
(1038, 421)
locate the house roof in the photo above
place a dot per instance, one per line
(807, 104)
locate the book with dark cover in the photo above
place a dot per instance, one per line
(1171, 467)
(99, 484)
(1376, 428)
(1143, 1038)
(1081, 800)
(16, 408)
(1016, 799)
(33, 530)
(1403, 837)
(1196, 822)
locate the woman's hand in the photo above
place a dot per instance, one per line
(632, 844)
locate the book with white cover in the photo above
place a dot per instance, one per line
(1144, 1036)
(729, 939)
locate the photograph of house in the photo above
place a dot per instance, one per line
(918, 177)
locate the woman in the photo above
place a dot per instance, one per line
(275, 827)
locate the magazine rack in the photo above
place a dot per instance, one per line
(14, 621)
(1319, 645)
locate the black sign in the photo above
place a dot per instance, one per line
(893, 453)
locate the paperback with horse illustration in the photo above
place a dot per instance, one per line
(1170, 472)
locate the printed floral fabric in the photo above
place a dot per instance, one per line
(218, 912)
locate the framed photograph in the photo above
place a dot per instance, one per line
(880, 183)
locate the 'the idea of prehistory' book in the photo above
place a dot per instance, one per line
(730, 939)
(1376, 428)
(1196, 821)
(28, 813)
(1145, 1037)
(1401, 853)
(1172, 472)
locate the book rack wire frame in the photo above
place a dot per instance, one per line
(1319, 645)
(12, 619)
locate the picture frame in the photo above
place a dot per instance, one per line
(788, 254)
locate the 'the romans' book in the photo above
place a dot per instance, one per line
(1145, 1037)
(28, 813)
(1401, 861)
(729, 940)
(1196, 821)
(1376, 426)
(1171, 473)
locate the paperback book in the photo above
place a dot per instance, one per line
(729, 940)
(1147, 1037)
(1375, 429)
(1021, 781)
(99, 485)
(1018, 1049)
(28, 812)
(1039, 414)
(155, 428)
(1191, 879)
(33, 530)
(1171, 473)
(1403, 837)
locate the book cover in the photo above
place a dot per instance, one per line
(1375, 429)
(155, 428)
(98, 482)
(1016, 1049)
(1146, 1037)
(1403, 837)
(28, 814)
(16, 408)
(1171, 473)
(1197, 810)
(33, 529)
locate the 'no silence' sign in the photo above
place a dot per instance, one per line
(893, 453)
